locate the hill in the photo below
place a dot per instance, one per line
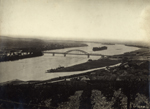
(40, 44)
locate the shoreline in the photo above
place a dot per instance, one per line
(85, 66)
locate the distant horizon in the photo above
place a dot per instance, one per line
(117, 20)
(92, 41)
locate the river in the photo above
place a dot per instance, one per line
(35, 68)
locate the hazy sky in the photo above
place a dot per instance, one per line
(76, 19)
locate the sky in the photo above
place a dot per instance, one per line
(127, 20)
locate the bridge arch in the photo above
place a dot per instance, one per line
(76, 50)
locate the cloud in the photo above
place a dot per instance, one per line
(145, 23)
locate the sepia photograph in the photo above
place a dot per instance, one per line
(74, 54)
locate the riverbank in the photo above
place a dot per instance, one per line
(140, 46)
(19, 55)
(91, 64)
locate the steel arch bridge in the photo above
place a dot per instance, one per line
(78, 50)
(74, 52)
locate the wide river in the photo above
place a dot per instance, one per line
(35, 68)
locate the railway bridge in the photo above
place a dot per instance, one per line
(113, 57)
(75, 52)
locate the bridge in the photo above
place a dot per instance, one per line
(82, 52)
(75, 52)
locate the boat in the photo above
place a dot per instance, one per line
(99, 48)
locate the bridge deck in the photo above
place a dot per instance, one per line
(91, 54)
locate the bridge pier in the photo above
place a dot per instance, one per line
(64, 55)
(53, 54)
(88, 55)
